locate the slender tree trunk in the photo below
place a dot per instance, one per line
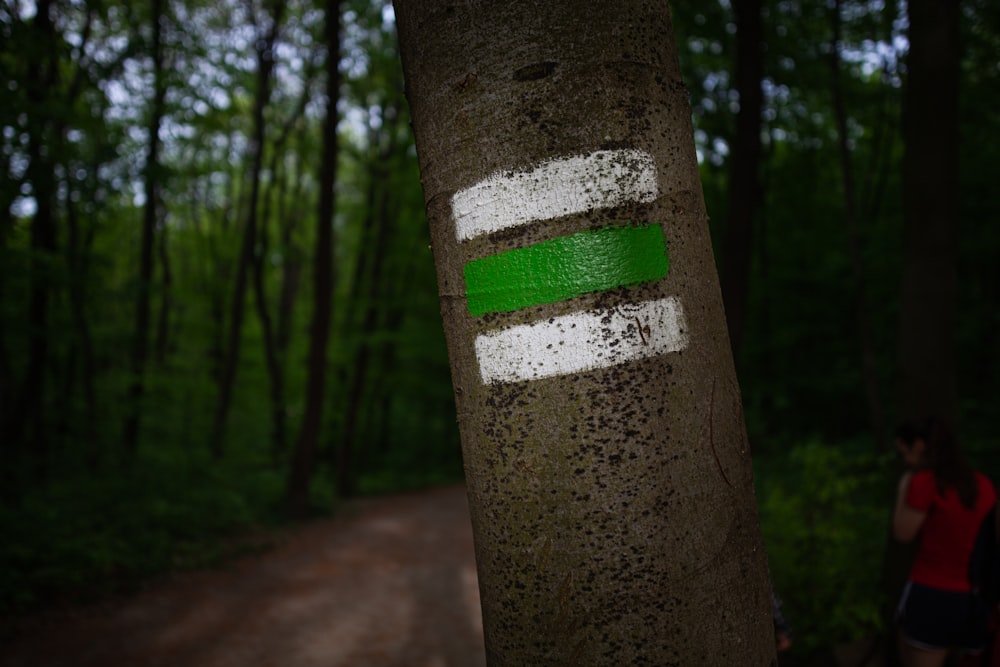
(290, 216)
(366, 297)
(217, 274)
(7, 375)
(276, 378)
(304, 456)
(166, 297)
(744, 182)
(606, 459)
(244, 264)
(876, 414)
(373, 306)
(140, 341)
(928, 293)
(276, 384)
(273, 351)
(42, 74)
(78, 306)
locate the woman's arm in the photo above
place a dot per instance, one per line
(906, 521)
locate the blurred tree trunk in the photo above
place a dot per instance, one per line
(273, 352)
(744, 181)
(77, 251)
(606, 458)
(276, 379)
(304, 455)
(290, 215)
(369, 293)
(218, 272)
(928, 293)
(79, 243)
(264, 46)
(42, 76)
(9, 191)
(163, 344)
(876, 414)
(272, 359)
(140, 340)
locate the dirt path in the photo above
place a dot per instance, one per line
(391, 583)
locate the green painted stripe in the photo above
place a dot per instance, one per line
(566, 267)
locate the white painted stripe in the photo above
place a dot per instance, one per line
(555, 188)
(582, 341)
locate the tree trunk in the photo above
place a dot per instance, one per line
(140, 341)
(866, 340)
(304, 456)
(292, 265)
(928, 293)
(276, 382)
(166, 297)
(42, 74)
(744, 183)
(244, 263)
(276, 377)
(368, 295)
(76, 254)
(270, 330)
(606, 458)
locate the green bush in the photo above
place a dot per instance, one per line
(83, 536)
(824, 517)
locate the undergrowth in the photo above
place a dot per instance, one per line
(824, 511)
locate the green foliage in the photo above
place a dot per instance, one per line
(824, 512)
(85, 536)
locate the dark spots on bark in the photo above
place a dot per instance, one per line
(614, 145)
(467, 84)
(534, 71)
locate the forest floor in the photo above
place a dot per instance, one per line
(388, 582)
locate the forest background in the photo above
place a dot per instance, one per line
(218, 307)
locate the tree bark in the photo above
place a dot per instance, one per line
(927, 368)
(304, 456)
(605, 452)
(744, 181)
(140, 341)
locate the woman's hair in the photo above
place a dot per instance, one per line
(908, 432)
(943, 456)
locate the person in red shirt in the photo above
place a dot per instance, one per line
(942, 501)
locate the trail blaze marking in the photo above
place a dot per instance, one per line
(582, 341)
(565, 267)
(564, 186)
